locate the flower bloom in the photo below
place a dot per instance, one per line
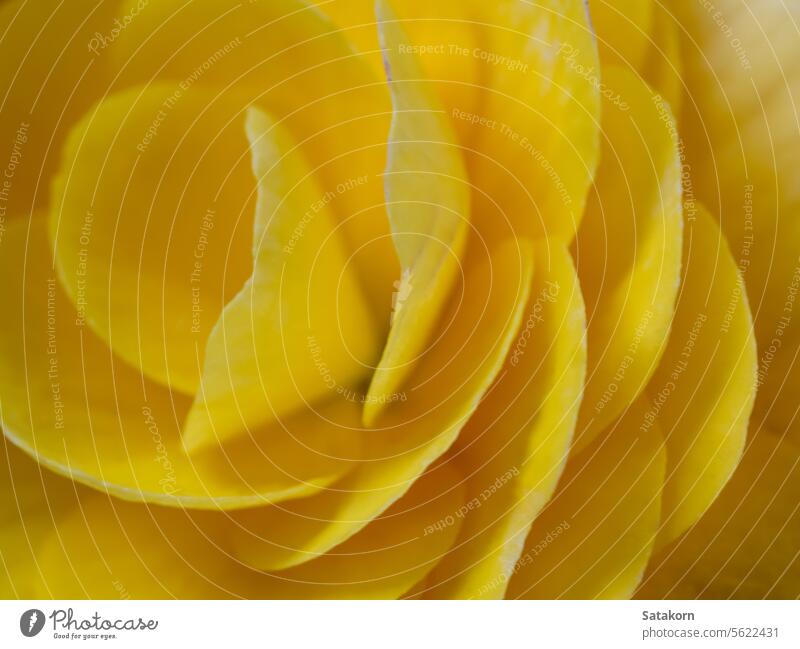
(438, 300)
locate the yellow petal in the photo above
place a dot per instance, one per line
(445, 36)
(702, 393)
(741, 130)
(745, 546)
(300, 330)
(663, 66)
(137, 551)
(67, 401)
(392, 553)
(537, 130)
(442, 394)
(629, 249)
(288, 58)
(515, 446)
(623, 29)
(152, 224)
(593, 540)
(52, 72)
(428, 200)
(32, 500)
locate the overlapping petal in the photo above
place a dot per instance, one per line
(428, 201)
(86, 414)
(628, 249)
(301, 329)
(515, 446)
(441, 395)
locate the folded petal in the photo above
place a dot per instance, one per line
(288, 58)
(746, 545)
(301, 329)
(536, 131)
(702, 393)
(515, 446)
(151, 223)
(428, 201)
(66, 400)
(418, 428)
(628, 249)
(593, 540)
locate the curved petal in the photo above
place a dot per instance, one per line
(300, 330)
(288, 58)
(428, 201)
(537, 130)
(746, 545)
(742, 130)
(68, 402)
(151, 224)
(148, 552)
(51, 74)
(593, 540)
(703, 391)
(515, 446)
(418, 428)
(628, 250)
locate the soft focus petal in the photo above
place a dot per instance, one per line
(746, 545)
(288, 58)
(52, 71)
(741, 123)
(301, 329)
(138, 551)
(440, 397)
(628, 249)
(536, 131)
(593, 540)
(32, 500)
(515, 446)
(428, 202)
(79, 410)
(702, 392)
(624, 29)
(151, 223)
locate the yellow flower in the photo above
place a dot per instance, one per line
(439, 300)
